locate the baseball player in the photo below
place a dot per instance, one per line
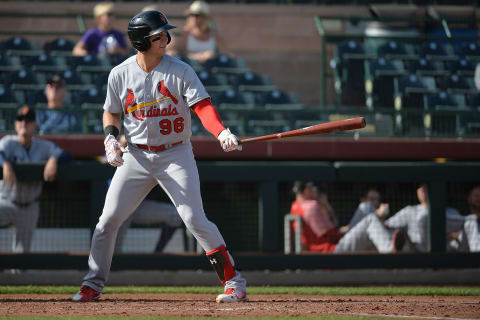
(19, 199)
(156, 94)
(469, 235)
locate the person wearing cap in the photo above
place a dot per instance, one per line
(55, 119)
(19, 203)
(103, 39)
(200, 40)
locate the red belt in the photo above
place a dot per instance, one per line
(157, 148)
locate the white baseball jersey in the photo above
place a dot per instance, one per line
(470, 238)
(156, 104)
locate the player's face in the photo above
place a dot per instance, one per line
(422, 194)
(25, 128)
(474, 199)
(374, 198)
(159, 41)
(56, 93)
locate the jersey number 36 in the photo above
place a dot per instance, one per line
(167, 125)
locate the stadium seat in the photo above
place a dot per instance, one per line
(225, 64)
(455, 83)
(9, 63)
(234, 119)
(77, 81)
(410, 102)
(213, 82)
(115, 59)
(348, 66)
(44, 62)
(379, 75)
(37, 98)
(427, 67)
(462, 67)
(20, 47)
(252, 82)
(470, 51)
(234, 100)
(27, 80)
(90, 98)
(436, 51)
(397, 50)
(8, 97)
(59, 47)
(279, 100)
(261, 123)
(192, 63)
(443, 118)
(88, 63)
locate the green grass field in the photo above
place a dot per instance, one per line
(340, 291)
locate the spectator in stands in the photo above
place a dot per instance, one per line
(369, 203)
(19, 202)
(103, 39)
(319, 233)
(200, 40)
(468, 238)
(318, 229)
(55, 119)
(414, 220)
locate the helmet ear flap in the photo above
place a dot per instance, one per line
(169, 37)
(141, 45)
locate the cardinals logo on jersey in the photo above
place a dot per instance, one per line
(139, 111)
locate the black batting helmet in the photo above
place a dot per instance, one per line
(147, 24)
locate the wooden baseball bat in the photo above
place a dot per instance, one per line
(321, 128)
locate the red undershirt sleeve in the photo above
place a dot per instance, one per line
(209, 116)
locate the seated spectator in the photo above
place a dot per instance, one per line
(369, 203)
(55, 119)
(319, 233)
(366, 231)
(19, 202)
(200, 40)
(469, 236)
(414, 220)
(102, 39)
(318, 229)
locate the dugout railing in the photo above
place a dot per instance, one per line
(268, 179)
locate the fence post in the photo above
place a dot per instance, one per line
(268, 217)
(437, 195)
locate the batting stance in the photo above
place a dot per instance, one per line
(156, 94)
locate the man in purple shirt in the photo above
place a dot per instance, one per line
(102, 39)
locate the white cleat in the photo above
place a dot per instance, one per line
(231, 296)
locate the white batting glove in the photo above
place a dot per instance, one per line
(229, 141)
(112, 148)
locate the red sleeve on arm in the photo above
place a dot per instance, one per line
(209, 116)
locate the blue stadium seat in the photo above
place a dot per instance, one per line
(470, 51)
(44, 62)
(279, 100)
(444, 120)
(88, 63)
(427, 67)
(253, 82)
(348, 66)
(20, 46)
(9, 63)
(225, 64)
(261, 123)
(436, 51)
(462, 67)
(192, 63)
(234, 100)
(379, 86)
(10, 97)
(90, 98)
(213, 82)
(59, 46)
(27, 80)
(455, 83)
(397, 50)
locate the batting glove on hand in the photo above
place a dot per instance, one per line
(229, 141)
(113, 149)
